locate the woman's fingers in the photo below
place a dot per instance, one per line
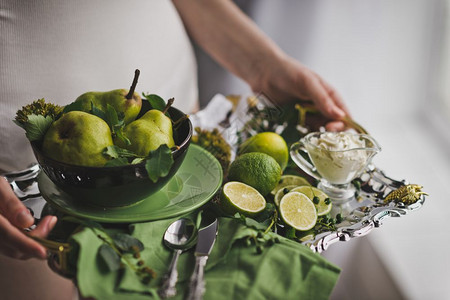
(44, 227)
(335, 126)
(12, 208)
(334, 95)
(14, 217)
(322, 97)
(15, 243)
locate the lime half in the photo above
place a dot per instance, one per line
(298, 211)
(322, 207)
(281, 192)
(286, 180)
(240, 197)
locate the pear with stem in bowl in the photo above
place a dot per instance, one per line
(126, 102)
(149, 132)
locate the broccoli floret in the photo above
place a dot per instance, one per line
(38, 107)
(214, 142)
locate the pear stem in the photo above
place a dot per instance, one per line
(168, 105)
(133, 85)
(178, 122)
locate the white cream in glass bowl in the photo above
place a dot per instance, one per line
(335, 158)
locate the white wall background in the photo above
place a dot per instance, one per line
(381, 56)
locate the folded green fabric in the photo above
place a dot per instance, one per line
(284, 270)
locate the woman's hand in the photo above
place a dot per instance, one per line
(284, 79)
(14, 217)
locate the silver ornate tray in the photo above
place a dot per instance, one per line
(369, 209)
(360, 216)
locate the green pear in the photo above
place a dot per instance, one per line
(124, 101)
(149, 132)
(78, 138)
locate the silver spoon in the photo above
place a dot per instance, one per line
(179, 236)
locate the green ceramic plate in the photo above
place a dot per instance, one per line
(197, 180)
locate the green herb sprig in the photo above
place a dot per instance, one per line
(113, 252)
(158, 162)
(263, 226)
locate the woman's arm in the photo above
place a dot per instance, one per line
(235, 42)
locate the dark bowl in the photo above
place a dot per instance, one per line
(114, 186)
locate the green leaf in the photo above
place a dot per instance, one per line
(198, 220)
(98, 112)
(290, 233)
(115, 162)
(127, 243)
(267, 213)
(109, 257)
(74, 106)
(255, 224)
(19, 124)
(117, 152)
(137, 160)
(120, 135)
(111, 116)
(239, 216)
(159, 163)
(155, 101)
(37, 126)
(116, 123)
(111, 151)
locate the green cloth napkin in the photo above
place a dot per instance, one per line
(285, 270)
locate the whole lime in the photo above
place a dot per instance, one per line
(270, 143)
(259, 170)
(78, 138)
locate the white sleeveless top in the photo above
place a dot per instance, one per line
(58, 50)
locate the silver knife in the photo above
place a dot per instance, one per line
(205, 242)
